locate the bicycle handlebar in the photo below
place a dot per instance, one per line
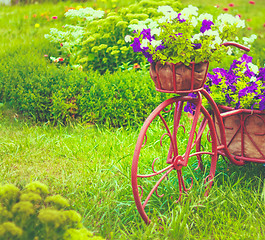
(236, 45)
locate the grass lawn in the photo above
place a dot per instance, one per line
(91, 166)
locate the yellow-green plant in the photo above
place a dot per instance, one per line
(33, 214)
(96, 40)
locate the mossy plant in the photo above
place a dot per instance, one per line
(32, 214)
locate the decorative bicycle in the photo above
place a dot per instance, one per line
(160, 165)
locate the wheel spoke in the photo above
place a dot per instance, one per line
(156, 186)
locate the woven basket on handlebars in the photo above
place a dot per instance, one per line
(175, 78)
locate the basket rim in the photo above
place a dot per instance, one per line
(241, 110)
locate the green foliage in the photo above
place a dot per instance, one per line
(97, 42)
(61, 95)
(29, 214)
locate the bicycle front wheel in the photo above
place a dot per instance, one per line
(167, 141)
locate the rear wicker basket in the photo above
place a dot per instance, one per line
(245, 132)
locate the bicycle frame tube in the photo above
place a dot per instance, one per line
(223, 147)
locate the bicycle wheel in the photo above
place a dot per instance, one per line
(167, 141)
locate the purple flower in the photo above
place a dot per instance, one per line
(190, 107)
(262, 104)
(179, 19)
(249, 89)
(245, 58)
(234, 66)
(196, 45)
(179, 34)
(206, 25)
(207, 88)
(214, 78)
(136, 45)
(261, 75)
(248, 73)
(147, 34)
(237, 105)
(242, 92)
(228, 98)
(160, 47)
(147, 54)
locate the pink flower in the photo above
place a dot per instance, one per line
(231, 4)
(46, 55)
(249, 28)
(248, 20)
(239, 15)
(264, 25)
(54, 17)
(252, 2)
(217, 6)
(226, 9)
(61, 44)
(60, 59)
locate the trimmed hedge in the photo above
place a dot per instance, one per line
(48, 93)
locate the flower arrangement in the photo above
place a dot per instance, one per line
(242, 86)
(185, 36)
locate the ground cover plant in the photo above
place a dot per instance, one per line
(91, 165)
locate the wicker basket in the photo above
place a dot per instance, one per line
(178, 78)
(245, 132)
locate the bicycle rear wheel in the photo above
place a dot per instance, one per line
(167, 141)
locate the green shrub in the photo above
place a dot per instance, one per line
(96, 41)
(32, 214)
(48, 93)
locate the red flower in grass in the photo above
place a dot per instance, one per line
(136, 66)
(34, 15)
(239, 15)
(248, 20)
(61, 44)
(264, 25)
(216, 5)
(249, 28)
(252, 2)
(231, 4)
(60, 59)
(226, 9)
(54, 17)
(46, 55)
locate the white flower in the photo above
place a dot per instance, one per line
(218, 40)
(231, 20)
(137, 27)
(196, 37)
(156, 43)
(155, 31)
(88, 13)
(254, 68)
(165, 9)
(128, 38)
(229, 51)
(189, 11)
(153, 25)
(253, 79)
(194, 21)
(205, 16)
(251, 39)
(169, 14)
(210, 32)
(145, 43)
(240, 23)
